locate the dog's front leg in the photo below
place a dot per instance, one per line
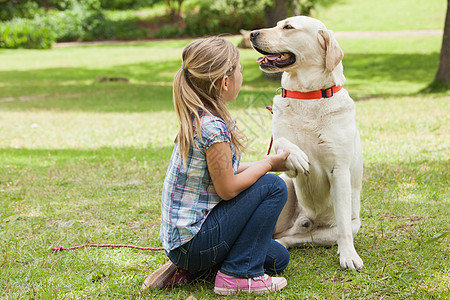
(297, 160)
(340, 184)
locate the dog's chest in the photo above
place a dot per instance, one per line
(311, 116)
(316, 126)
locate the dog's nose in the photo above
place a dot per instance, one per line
(254, 34)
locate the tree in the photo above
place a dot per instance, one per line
(442, 79)
(174, 7)
(276, 10)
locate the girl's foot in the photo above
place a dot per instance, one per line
(227, 285)
(167, 275)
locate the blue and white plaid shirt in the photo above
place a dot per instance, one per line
(188, 192)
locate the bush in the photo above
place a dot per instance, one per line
(222, 16)
(204, 21)
(80, 23)
(24, 33)
(126, 30)
(126, 4)
(169, 31)
(83, 22)
(215, 17)
(27, 10)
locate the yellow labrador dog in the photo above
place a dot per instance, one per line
(314, 118)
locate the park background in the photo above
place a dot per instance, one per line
(87, 129)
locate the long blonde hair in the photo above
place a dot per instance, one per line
(196, 87)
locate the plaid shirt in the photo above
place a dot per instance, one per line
(188, 192)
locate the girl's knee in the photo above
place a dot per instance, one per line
(278, 186)
(282, 262)
(277, 260)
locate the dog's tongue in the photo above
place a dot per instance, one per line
(270, 57)
(260, 59)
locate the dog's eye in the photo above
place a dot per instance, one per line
(288, 27)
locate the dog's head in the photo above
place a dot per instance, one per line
(295, 42)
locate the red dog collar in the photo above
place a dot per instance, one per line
(323, 93)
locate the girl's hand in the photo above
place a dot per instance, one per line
(278, 161)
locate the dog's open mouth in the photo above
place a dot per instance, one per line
(275, 60)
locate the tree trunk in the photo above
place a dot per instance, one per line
(443, 73)
(180, 3)
(276, 13)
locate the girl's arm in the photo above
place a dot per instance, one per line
(243, 166)
(227, 184)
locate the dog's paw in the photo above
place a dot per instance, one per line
(349, 259)
(297, 162)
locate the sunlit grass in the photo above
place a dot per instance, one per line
(384, 15)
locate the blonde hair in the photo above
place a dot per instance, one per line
(197, 87)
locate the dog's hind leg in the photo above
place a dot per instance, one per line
(293, 218)
(320, 236)
(323, 236)
(292, 214)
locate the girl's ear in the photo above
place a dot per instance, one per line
(224, 83)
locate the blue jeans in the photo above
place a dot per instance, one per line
(237, 234)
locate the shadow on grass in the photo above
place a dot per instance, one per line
(150, 87)
(391, 67)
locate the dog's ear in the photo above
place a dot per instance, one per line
(333, 53)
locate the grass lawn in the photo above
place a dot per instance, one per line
(82, 161)
(384, 15)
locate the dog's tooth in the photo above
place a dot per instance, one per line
(285, 56)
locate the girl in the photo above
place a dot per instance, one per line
(215, 211)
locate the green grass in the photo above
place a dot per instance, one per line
(83, 161)
(74, 177)
(384, 15)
